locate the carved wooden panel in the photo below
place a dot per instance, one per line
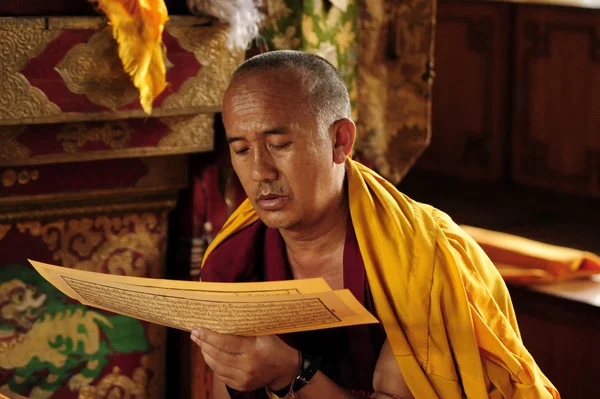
(69, 7)
(469, 94)
(46, 192)
(108, 216)
(55, 348)
(67, 69)
(561, 335)
(86, 141)
(556, 132)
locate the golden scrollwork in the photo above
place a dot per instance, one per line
(94, 69)
(394, 82)
(113, 134)
(18, 99)
(193, 132)
(83, 208)
(118, 386)
(62, 23)
(24, 176)
(22, 23)
(132, 245)
(9, 177)
(218, 64)
(146, 381)
(4, 229)
(157, 337)
(10, 149)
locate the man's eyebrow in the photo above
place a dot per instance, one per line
(233, 139)
(277, 130)
(274, 131)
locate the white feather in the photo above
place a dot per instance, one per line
(242, 16)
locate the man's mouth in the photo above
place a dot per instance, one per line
(271, 202)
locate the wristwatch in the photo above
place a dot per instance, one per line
(310, 366)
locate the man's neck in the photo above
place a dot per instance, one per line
(317, 251)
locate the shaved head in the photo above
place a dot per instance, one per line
(321, 83)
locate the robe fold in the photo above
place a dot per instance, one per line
(444, 307)
(349, 354)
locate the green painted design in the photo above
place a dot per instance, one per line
(317, 27)
(123, 335)
(52, 340)
(81, 329)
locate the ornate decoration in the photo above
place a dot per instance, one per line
(133, 245)
(114, 134)
(25, 23)
(61, 23)
(99, 244)
(394, 81)
(185, 134)
(25, 176)
(85, 208)
(218, 64)
(146, 381)
(116, 385)
(157, 337)
(95, 70)
(9, 177)
(192, 132)
(9, 342)
(4, 229)
(18, 99)
(10, 149)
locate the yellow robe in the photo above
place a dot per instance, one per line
(444, 306)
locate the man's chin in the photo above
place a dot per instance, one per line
(276, 220)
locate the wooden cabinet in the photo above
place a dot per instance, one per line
(517, 95)
(108, 216)
(556, 99)
(562, 335)
(469, 93)
(516, 114)
(87, 181)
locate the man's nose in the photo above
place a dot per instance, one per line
(262, 167)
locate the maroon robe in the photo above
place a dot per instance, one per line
(257, 253)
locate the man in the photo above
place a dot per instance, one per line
(447, 328)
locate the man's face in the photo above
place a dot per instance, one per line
(282, 160)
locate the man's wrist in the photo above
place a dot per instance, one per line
(307, 368)
(289, 371)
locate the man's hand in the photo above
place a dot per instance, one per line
(248, 363)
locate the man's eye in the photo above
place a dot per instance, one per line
(241, 151)
(280, 147)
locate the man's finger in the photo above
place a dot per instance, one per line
(230, 376)
(227, 343)
(229, 359)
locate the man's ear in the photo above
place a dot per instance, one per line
(344, 134)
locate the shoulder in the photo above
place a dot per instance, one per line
(456, 252)
(435, 232)
(440, 227)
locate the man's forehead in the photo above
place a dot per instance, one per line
(256, 101)
(245, 99)
(258, 87)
